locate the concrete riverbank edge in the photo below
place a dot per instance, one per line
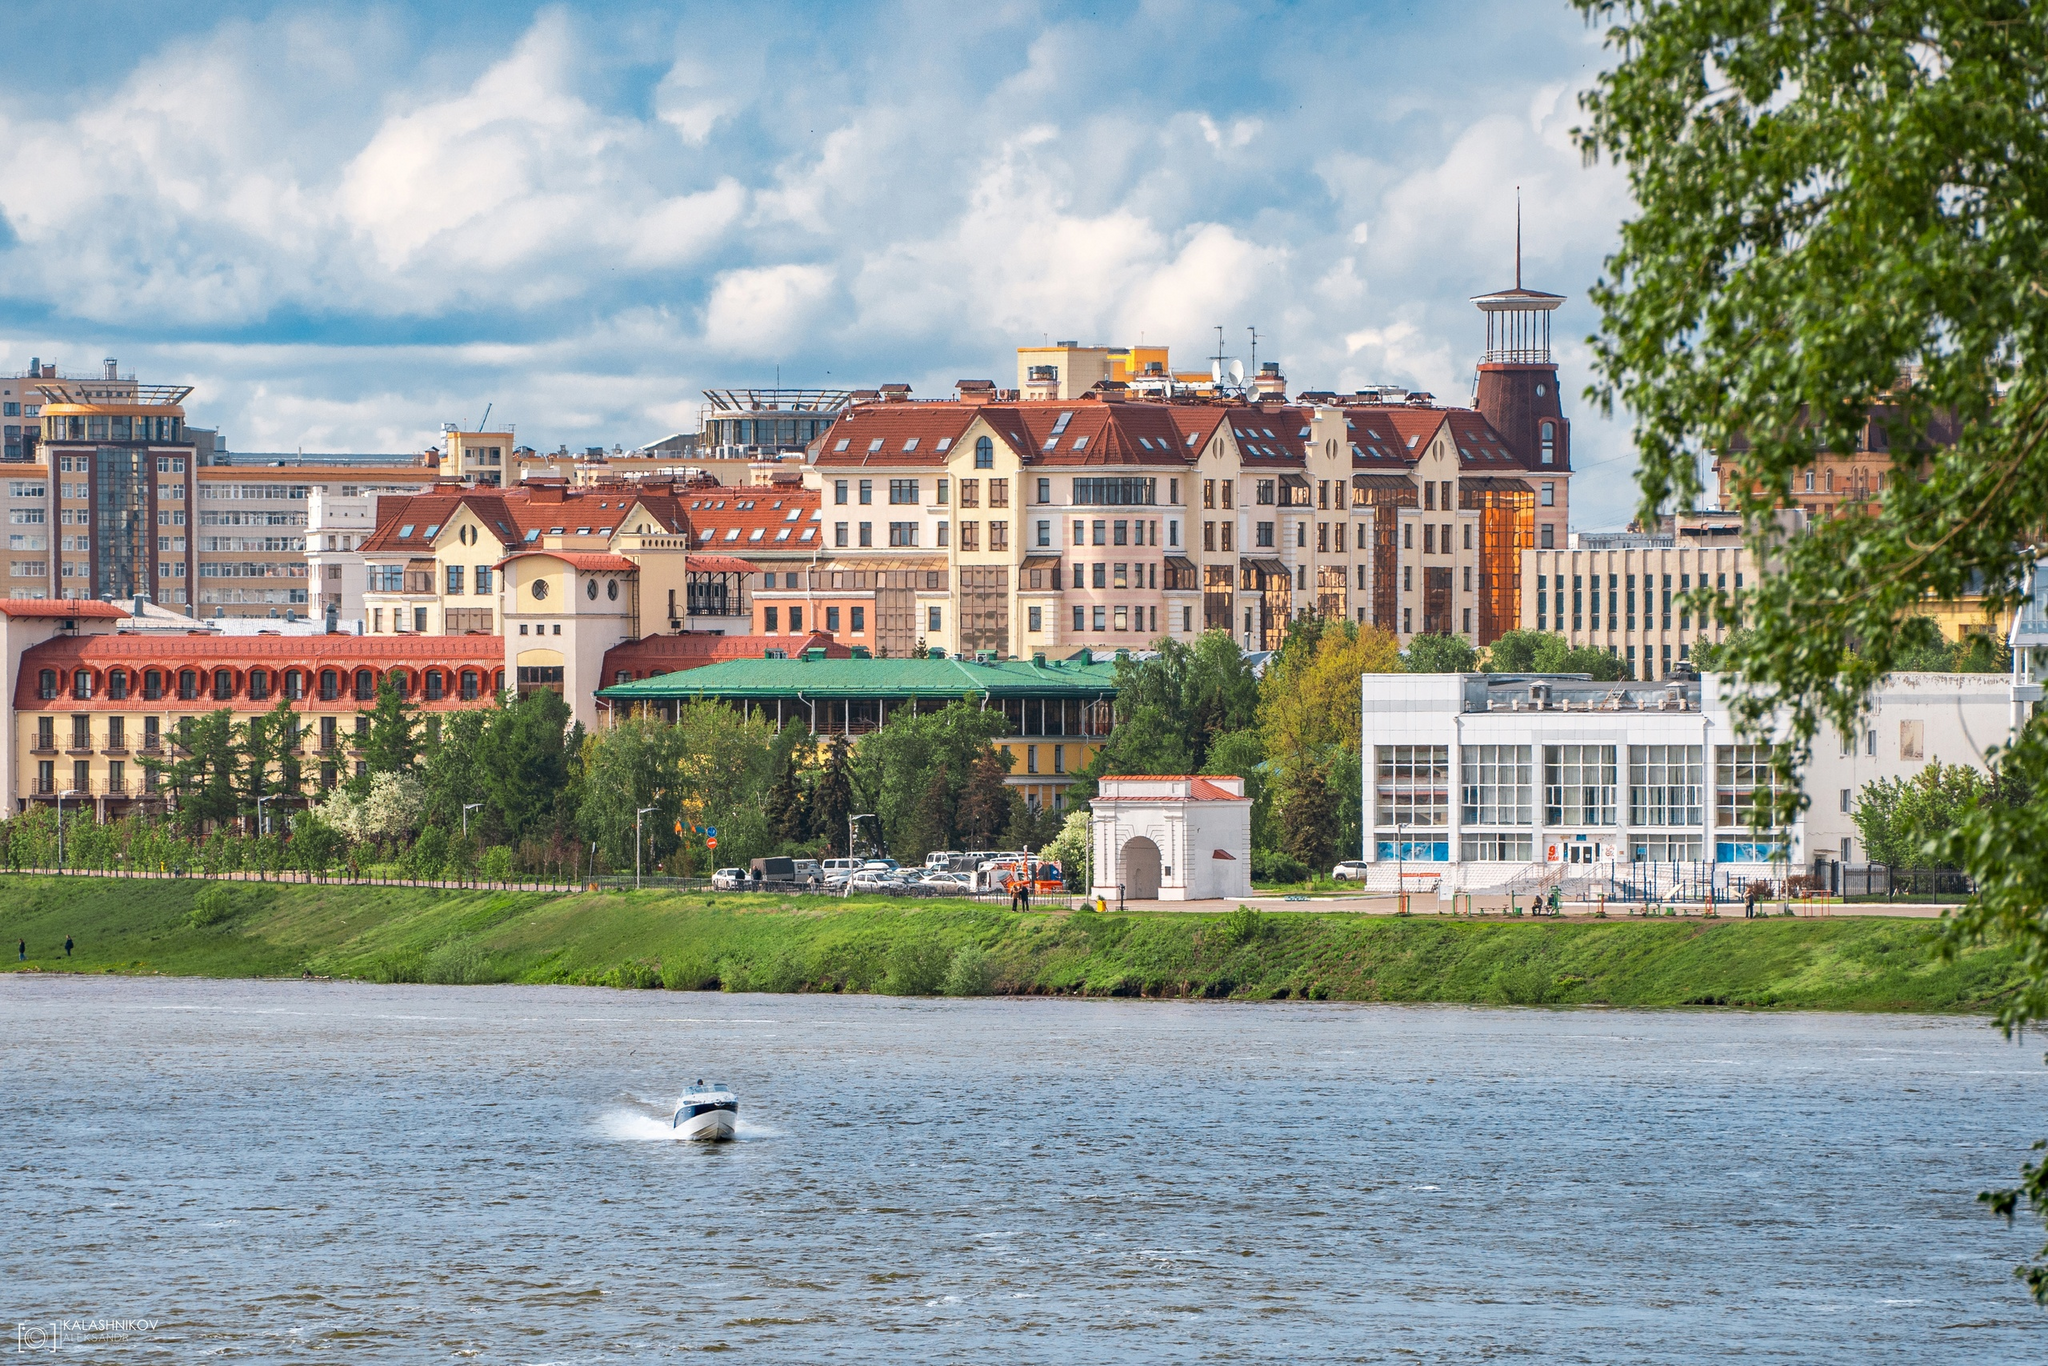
(734, 942)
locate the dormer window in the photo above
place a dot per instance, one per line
(1549, 432)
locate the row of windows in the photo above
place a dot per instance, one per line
(1581, 784)
(1620, 600)
(259, 685)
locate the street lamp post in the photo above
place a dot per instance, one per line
(465, 819)
(847, 890)
(262, 873)
(1401, 862)
(636, 844)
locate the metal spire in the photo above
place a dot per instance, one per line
(1518, 237)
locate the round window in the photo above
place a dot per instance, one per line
(611, 590)
(1539, 391)
(590, 590)
(540, 589)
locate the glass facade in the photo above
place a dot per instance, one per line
(1665, 783)
(1498, 785)
(1578, 784)
(123, 545)
(1412, 799)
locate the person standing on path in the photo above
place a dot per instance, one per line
(67, 946)
(21, 952)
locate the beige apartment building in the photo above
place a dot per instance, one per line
(1624, 592)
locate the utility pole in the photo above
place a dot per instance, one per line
(636, 844)
(847, 890)
(465, 819)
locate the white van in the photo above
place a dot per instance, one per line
(837, 870)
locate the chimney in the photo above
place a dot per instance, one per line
(113, 370)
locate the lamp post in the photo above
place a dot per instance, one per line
(1401, 862)
(262, 873)
(847, 890)
(636, 844)
(465, 818)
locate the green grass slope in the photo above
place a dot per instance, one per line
(765, 943)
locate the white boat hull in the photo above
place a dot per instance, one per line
(713, 1126)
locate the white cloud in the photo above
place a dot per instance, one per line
(765, 310)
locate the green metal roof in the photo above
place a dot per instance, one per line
(862, 678)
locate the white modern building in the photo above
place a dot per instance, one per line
(1176, 837)
(1477, 780)
(338, 520)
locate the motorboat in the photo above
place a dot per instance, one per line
(707, 1113)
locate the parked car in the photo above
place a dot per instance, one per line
(808, 872)
(876, 880)
(949, 884)
(729, 879)
(1350, 870)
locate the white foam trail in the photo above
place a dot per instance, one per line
(638, 1126)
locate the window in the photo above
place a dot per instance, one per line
(998, 535)
(1412, 796)
(188, 685)
(984, 453)
(1080, 615)
(1045, 490)
(1045, 534)
(867, 491)
(932, 618)
(1116, 492)
(1263, 533)
(832, 619)
(860, 619)
(1548, 538)
(796, 619)
(903, 533)
(970, 493)
(1578, 784)
(839, 491)
(1036, 617)
(1549, 439)
(839, 535)
(1665, 783)
(970, 535)
(259, 685)
(1912, 740)
(366, 686)
(1549, 495)
(771, 619)
(433, 685)
(867, 533)
(1740, 772)
(902, 490)
(1498, 785)
(454, 578)
(1265, 492)
(1101, 619)
(998, 493)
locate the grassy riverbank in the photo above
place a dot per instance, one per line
(764, 943)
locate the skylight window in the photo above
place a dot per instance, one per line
(1050, 442)
(809, 532)
(733, 535)
(758, 533)
(432, 529)
(1080, 443)
(1303, 432)
(1191, 438)
(604, 531)
(1146, 442)
(533, 536)
(781, 535)
(945, 442)
(1060, 426)
(910, 445)
(1411, 443)
(874, 445)
(795, 514)
(582, 531)
(554, 531)
(1269, 434)
(843, 443)
(405, 531)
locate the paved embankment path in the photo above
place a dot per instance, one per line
(1484, 903)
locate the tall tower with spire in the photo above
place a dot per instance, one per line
(1517, 390)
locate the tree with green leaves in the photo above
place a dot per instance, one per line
(1309, 817)
(1440, 653)
(832, 798)
(985, 802)
(892, 768)
(1543, 652)
(1835, 248)
(391, 743)
(205, 774)
(524, 761)
(788, 804)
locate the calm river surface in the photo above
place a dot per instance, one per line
(284, 1171)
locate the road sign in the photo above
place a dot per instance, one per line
(711, 843)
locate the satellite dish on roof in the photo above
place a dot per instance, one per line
(1237, 374)
(1216, 371)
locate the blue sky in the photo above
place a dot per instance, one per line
(346, 224)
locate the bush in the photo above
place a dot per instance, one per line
(213, 906)
(971, 973)
(917, 967)
(1241, 927)
(694, 975)
(497, 863)
(640, 975)
(459, 962)
(1274, 865)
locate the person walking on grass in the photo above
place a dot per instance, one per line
(21, 952)
(67, 946)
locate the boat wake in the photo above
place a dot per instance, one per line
(638, 1120)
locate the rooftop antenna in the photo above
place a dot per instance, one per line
(486, 417)
(1255, 349)
(1518, 237)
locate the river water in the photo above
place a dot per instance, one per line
(277, 1171)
